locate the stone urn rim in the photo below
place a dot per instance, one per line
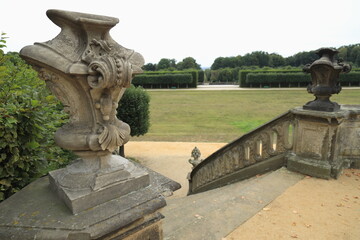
(77, 17)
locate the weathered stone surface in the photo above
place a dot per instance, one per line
(324, 74)
(326, 141)
(89, 72)
(129, 180)
(315, 143)
(108, 196)
(36, 213)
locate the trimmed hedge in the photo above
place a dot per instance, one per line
(350, 79)
(194, 74)
(243, 74)
(277, 79)
(163, 80)
(295, 79)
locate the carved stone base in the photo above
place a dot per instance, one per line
(307, 166)
(36, 212)
(322, 105)
(82, 187)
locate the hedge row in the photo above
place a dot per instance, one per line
(243, 74)
(294, 79)
(194, 73)
(350, 79)
(163, 80)
(277, 79)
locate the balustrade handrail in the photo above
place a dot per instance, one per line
(247, 150)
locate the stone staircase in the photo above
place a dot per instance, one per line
(315, 143)
(213, 214)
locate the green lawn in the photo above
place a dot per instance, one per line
(221, 116)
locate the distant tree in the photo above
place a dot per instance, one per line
(188, 63)
(250, 60)
(276, 60)
(218, 63)
(173, 64)
(355, 55)
(303, 58)
(163, 64)
(149, 67)
(343, 53)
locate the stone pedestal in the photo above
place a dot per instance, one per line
(37, 213)
(326, 142)
(108, 197)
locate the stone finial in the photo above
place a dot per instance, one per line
(325, 74)
(195, 154)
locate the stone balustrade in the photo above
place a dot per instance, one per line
(269, 141)
(315, 143)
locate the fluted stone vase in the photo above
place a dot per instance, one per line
(89, 72)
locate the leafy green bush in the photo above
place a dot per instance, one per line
(163, 80)
(29, 116)
(134, 110)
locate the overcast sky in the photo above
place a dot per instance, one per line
(202, 29)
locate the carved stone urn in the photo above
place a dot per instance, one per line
(324, 74)
(89, 72)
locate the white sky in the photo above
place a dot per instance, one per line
(202, 29)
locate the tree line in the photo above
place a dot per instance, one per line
(348, 53)
(171, 65)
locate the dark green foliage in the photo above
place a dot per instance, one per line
(243, 73)
(201, 75)
(278, 79)
(163, 80)
(166, 64)
(187, 63)
(292, 78)
(29, 116)
(149, 67)
(134, 110)
(158, 80)
(225, 75)
(350, 79)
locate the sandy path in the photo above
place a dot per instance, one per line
(313, 208)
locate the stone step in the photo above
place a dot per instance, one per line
(212, 215)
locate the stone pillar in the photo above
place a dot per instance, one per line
(107, 196)
(327, 135)
(326, 142)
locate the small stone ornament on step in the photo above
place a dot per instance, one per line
(195, 154)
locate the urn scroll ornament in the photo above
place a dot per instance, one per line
(88, 72)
